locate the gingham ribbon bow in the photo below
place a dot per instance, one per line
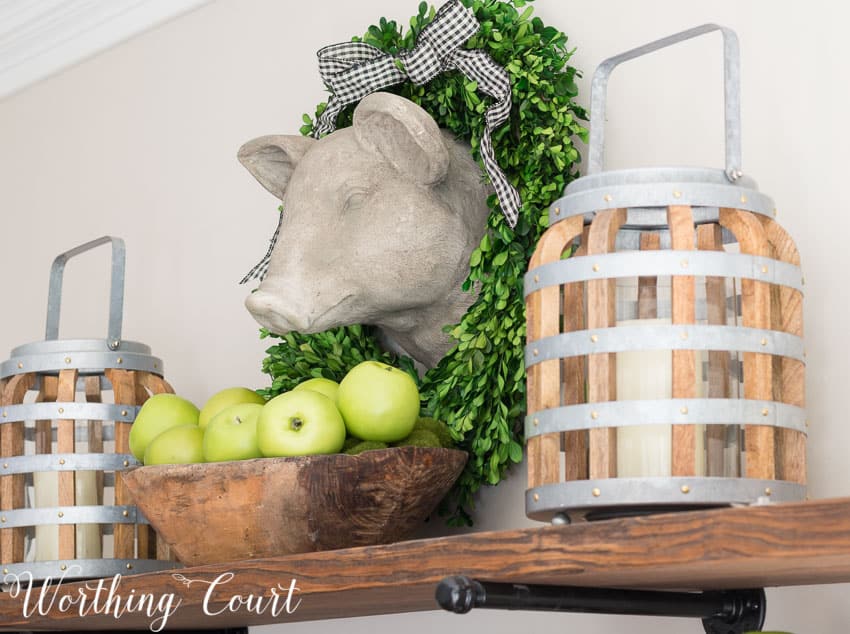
(352, 70)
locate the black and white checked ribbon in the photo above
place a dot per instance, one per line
(352, 70)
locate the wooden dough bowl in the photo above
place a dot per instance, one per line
(229, 511)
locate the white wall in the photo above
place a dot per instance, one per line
(140, 142)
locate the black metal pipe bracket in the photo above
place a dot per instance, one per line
(722, 611)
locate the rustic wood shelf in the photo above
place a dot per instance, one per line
(752, 547)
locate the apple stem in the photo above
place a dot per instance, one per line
(296, 423)
(237, 420)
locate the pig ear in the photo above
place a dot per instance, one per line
(404, 134)
(272, 159)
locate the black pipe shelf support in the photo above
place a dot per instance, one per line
(721, 611)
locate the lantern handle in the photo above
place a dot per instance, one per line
(732, 93)
(116, 291)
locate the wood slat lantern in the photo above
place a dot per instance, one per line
(65, 414)
(665, 354)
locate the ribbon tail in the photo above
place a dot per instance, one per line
(493, 80)
(261, 268)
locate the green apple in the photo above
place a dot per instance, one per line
(158, 413)
(225, 398)
(378, 402)
(300, 423)
(182, 444)
(323, 386)
(232, 434)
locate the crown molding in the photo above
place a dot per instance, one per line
(42, 37)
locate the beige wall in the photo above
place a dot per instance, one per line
(140, 142)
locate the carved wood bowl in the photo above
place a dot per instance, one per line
(228, 511)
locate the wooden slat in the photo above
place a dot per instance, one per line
(602, 369)
(681, 222)
(65, 444)
(752, 547)
(575, 372)
(758, 368)
(710, 238)
(543, 310)
(648, 285)
(12, 486)
(124, 393)
(787, 316)
(154, 383)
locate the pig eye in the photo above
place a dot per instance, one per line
(354, 200)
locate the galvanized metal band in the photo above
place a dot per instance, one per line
(68, 346)
(731, 85)
(622, 493)
(664, 337)
(71, 515)
(654, 194)
(663, 263)
(65, 411)
(67, 462)
(93, 362)
(677, 411)
(70, 569)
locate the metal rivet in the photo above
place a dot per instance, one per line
(774, 211)
(20, 365)
(802, 281)
(764, 269)
(119, 360)
(684, 334)
(536, 422)
(126, 463)
(738, 174)
(764, 341)
(536, 278)
(5, 571)
(594, 338)
(684, 410)
(129, 566)
(596, 493)
(155, 364)
(61, 410)
(608, 198)
(61, 460)
(743, 198)
(768, 491)
(807, 423)
(594, 415)
(5, 413)
(685, 489)
(596, 268)
(123, 412)
(61, 514)
(125, 513)
(67, 359)
(677, 194)
(765, 412)
(5, 465)
(557, 211)
(536, 497)
(684, 264)
(3, 519)
(535, 352)
(63, 567)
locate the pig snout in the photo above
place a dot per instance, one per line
(281, 312)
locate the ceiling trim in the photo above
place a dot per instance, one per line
(39, 39)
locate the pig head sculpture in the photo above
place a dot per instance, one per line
(379, 222)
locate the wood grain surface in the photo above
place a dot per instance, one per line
(783, 544)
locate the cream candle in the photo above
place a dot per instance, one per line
(646, 450)
(46, 494)
(88, 541)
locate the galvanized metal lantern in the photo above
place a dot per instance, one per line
(665, 355)
(65, 416)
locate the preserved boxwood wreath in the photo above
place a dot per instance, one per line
(478, 388)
